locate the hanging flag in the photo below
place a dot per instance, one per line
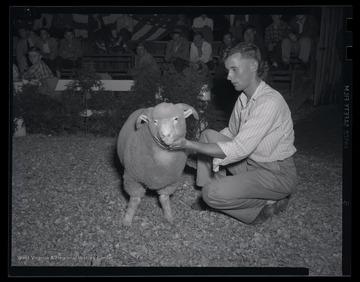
(153, 26)
(148, 27)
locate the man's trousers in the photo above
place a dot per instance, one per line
(242, 189)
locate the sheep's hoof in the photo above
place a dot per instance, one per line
(127, 221)
(170, 219)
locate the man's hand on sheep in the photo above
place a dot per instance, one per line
(178, 144)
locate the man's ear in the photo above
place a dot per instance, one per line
(254, 65)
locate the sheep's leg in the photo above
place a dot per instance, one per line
(165, 194)
(136, 192)
(131, 210)
(165, 203)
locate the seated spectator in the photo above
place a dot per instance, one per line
(228, 43)
(27, 40)
(98, 33)
(39, 71)
(59, 23)
(205, 26)
(253, 20)
(49, 49)
(250, 36)
(274, 34)
(124, 30)
(301, 35)
(177, 50)
(69, 53)
(237, 31)
(184, 24)
(144, 61)
(201, 52)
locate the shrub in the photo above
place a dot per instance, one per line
(174, 87)
(40, 112)
(109, 110)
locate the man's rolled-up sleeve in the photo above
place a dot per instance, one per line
(251, 133)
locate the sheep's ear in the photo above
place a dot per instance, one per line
(188, 110)
(144, 117)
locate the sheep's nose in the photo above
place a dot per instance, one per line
(165, 134)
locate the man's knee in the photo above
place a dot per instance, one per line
(206, 135)
(305, 40)
(286, 42)
(210, 194)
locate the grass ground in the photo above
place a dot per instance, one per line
(68, 203)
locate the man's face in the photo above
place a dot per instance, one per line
(176, 37)
(240, 72)
(22, 33)
(276, 18)
(140, 50)
(34, 57)
(237, 23)
(44, 34)
(249, 35)
(227, 39)
(69, 36)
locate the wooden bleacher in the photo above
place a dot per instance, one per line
(118, 64)
(293, 76)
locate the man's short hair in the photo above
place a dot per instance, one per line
(43, 28)
(247, 50)
(228, 33)
(34, 49)
(249, 26)
(69, 29)
(140, 43)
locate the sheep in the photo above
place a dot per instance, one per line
(143, 149)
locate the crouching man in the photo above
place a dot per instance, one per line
(247, 169)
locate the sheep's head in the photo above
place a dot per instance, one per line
(166, 121)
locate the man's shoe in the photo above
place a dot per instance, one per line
(281, 205)
(200, 205)
(271, 209)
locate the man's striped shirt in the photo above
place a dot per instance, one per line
(261, 129)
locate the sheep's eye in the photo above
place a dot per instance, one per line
(176, 118)
(155, 121)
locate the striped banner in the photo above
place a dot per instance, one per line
(147, 27)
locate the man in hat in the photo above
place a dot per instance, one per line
(177, 50)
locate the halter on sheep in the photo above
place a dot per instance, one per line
(143, 151)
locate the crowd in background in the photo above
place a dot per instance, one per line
(52, 40)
